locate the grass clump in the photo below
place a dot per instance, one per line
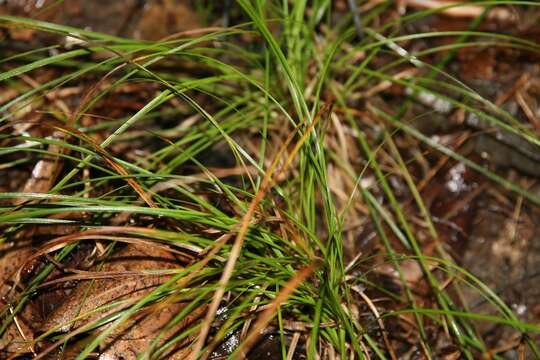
(274, 171)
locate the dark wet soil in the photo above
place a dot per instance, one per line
(503, 251)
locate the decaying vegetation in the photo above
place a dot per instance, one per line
(269, 179)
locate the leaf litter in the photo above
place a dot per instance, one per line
(488, 230)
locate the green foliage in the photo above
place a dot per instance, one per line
(284, 83)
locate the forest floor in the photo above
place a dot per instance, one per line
(428, 174)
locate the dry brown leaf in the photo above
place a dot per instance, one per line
(104, 291)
